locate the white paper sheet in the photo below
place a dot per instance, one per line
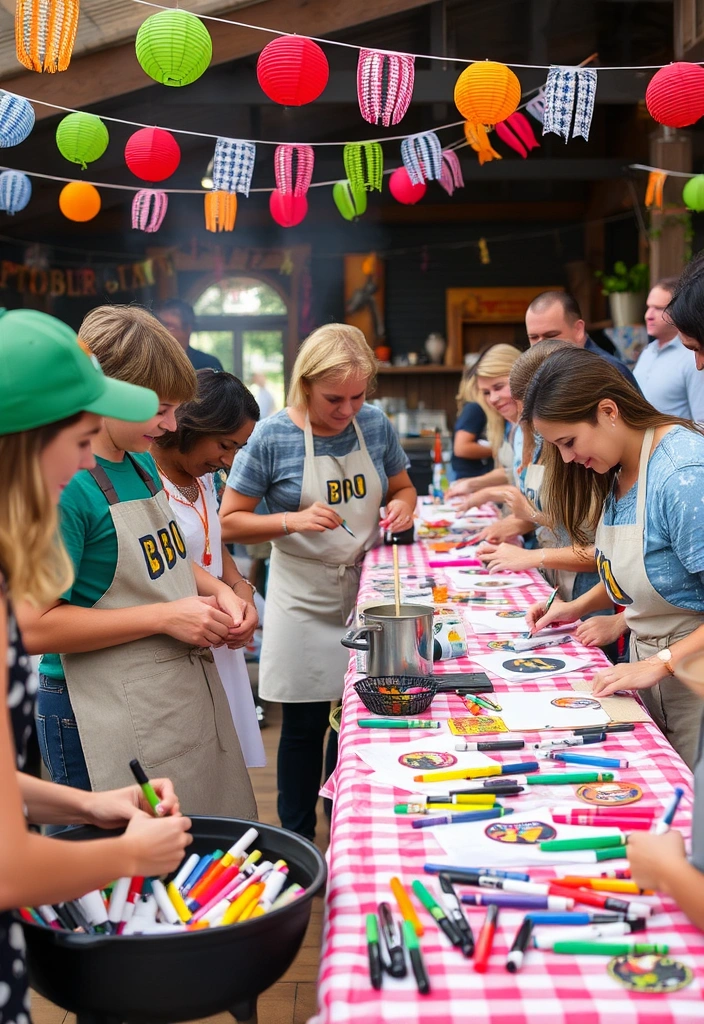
(517, 667)
(384, 759)
(504, 620)
(526, 712)
(461, 580)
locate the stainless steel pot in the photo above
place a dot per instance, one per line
(396, 645)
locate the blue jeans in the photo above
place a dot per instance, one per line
(57, 730)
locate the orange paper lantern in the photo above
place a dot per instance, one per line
(79, 201)
(45, 33)
(220, 211)
(487, 92)
(478, 139)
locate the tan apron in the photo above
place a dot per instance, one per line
(506, 457)
(563, 579)
(156, 699)
(654, 623)
(314, 579)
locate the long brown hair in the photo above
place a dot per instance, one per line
(522, 373)
(568, 388)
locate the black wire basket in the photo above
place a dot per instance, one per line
(396, 695)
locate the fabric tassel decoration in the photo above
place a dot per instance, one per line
(283, 169)
(364, 165)
(233, 165)
(384, 85)
(149, 209)
(536, 106)
(451, 177)
(569, 95)
(517, 133)
(422, 157)
(476, 136)
(654, 191)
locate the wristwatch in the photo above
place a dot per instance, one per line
(665, 657)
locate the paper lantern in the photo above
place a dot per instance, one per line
(15, 191)
(675, 94)
(384, 85)
(283, 169)
(351, 203)
(517, 133)
(404, 189)
(287, 210)
(476, 136)
(149, 209)
(422, 157)
(693, 194)
(45, 31)
(81, 138)
(16, 119)
(220, 211)
(292, 70)
(152, 154)
(487, 92)
(654, 190)
(233, 165)
(364, 165)
(569, 101)
(451, 177)
(79, 201)
(173, 47)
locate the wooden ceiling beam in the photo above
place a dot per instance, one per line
(113, 72)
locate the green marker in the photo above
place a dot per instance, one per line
(373, 951)
(146, 786)
(595, 843)
(413, 946)
(397, 723)
(609, 948)
(569, 778)
(434, 908)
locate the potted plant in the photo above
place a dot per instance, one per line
(626, 289)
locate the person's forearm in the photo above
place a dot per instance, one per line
(70, 629)
(407, 494)
(207, 584)
(494, 478)
(595, 600)
(49, 804)
(464, 449)
(250, 528)
(685, 885)
(569, 559)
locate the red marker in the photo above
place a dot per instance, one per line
(485, 941)
(597, 899)
(132, 897)
(617, 820)
(600, 815)
(216, 885)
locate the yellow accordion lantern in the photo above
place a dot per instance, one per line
(220, 211)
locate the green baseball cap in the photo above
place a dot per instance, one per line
(46, 376)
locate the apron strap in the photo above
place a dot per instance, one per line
(106, 485)
(643, 475)
(147, 478)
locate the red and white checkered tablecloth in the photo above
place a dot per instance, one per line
(369, 844)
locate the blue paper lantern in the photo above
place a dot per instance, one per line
(15, 191)
(16, 118)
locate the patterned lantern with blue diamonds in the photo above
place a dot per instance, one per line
(16, 118)
(15, 191)
(233, 165)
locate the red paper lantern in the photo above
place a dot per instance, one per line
(402, 188)
(152, 154)
(287, 209)
(675, 95)
(292, 70)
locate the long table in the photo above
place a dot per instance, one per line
(369, 844)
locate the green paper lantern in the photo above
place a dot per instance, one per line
(174, 47)
(81, 138)
(351, 203)
(364, 165)
(693, 194)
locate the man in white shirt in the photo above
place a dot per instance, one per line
(665, 371)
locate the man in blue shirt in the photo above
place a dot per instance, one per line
(557, 315)
(179, 320)
(666, 371)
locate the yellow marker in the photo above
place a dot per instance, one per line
(250, 895)
(459, 773)
(484, 800)
(405, 906)
(177, 900)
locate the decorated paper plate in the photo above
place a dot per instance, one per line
(610, 794)
(649, 973)
(427, 759)
(523, 833)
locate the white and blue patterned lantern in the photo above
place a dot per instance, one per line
(422, 157)
(233, 165)
(16, 119)
(569, 101)
(15, 191)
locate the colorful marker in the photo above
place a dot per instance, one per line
(610, 948)
(408, 911)
(397, 723)
(346, 528)
(603, 815)
(593, 931)
(434, 908)
(373, 951)
(458, 819)
(491, 745)
(570, 779)
(484, 703)
(570, 741)
(412, 945)
(143, 782)
(664, 823)
(186, 868)
(486, 939)
(589, 843)
(572, 917)
(203, 864)
(620, 885)
(118, 898)
(509, 899)
(478, 773)
(599, 762)
(451, 901)
(616, 727)
(451, 869)
(514, 961)
(591, 898)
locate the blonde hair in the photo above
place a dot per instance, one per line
(496, 361)
(131, 345)
(33, 558)
(467, 391)
(333, 352)
(522, 373)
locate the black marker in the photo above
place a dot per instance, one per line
(413, 947)
(392, 939)
(516, 954)
(616, 727)
(373, 951)
(491, 745)
(457, 914)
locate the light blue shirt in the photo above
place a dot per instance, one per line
(670, 381)
(674, 518)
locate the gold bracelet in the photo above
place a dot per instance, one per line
(286, 530)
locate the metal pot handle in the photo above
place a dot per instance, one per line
(352, 638)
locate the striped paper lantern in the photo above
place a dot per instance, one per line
(149, 209)
(152, 154)
(220, 211)
(364, 165)
(384, 85)
(81, 138)
(45, 31)
(16, 119)
(487, 92)
(15, 191)
(284, 169)
(422, 157)
(292, 70)
(675, 94)
(173, 47)
(451, 177)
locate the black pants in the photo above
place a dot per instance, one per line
(300, 763)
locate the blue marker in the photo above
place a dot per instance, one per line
(457, 819)
(554, 917)
(452, 869)
(601, 762)
(199, 870)
(663, 825)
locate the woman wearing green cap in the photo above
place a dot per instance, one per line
(135, 675)
(45, 437)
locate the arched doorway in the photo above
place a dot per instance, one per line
(243, 320)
